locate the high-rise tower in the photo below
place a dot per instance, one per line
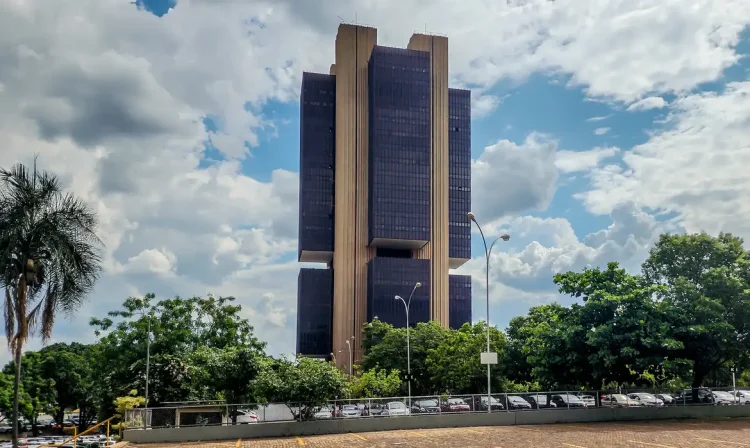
(385, 159)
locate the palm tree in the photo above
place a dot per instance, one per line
(49, 257)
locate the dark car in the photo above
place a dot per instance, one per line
(568, 401)
(540, 401)
(454, 405)
(704, 396)
(517, 403)
(480, 404)
(425, 407)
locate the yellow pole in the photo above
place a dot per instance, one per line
(75, 436)
(107, 443)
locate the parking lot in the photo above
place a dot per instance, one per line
(664, 434)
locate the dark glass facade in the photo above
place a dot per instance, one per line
(399, 147)
(389, 277)
(314, 312)
(459, 173)
(317, 160)
(459, 300)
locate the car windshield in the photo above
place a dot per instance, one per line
(484, 400)
(427, 403)
(618, 397)
(396, 405)
(667, 396)
(722, 394)
(456, 401)
(516, 399)
(743, 392)
(539, 398)
(646, 396)
(350, 407)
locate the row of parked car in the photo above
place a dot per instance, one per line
(529, 402)
(94, 441)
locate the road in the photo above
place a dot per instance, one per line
(662, 434)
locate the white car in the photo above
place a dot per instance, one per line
(324, 413)
(243, 418)
(742, 396)
(395, 408)
(350, 411)
(646, 399)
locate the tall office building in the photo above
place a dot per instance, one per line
(384, 192)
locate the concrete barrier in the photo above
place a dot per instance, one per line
(286, 429)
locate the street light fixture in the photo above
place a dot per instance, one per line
(488, 358)
(408, 346)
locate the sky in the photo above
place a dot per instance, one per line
(597, 125)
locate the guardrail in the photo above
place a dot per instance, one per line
(427, 421)
(222, 414)
(75, 437)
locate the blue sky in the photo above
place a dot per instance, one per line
(597, 125)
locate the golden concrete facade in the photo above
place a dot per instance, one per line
(437, 249)
(351, 254)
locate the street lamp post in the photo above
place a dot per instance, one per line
(148, 349)
(487, 251)
(349, 346)
(408, 343)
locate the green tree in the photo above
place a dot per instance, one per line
(305, 383)
(376, 383)
(454, 365)
(38, 390)
(179, 328)
(385, 348)
(708, 297)
(227, 372)
(628, 338)
(69, 366)
(549, 347)
(49, 257)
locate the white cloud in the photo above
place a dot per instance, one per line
(601, 131)
(508, 178)
(652, 102)
(694, 167)
(598, 118)
(521, 270)
(112, 98)
(575, 161)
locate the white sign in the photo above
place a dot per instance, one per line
(489, 358)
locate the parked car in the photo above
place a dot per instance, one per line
(5, 428)
(427, 406)
(723, 398)
(517, 403)
(619, 401)
(323, 413)
(742, 396)
(395, 408)
(704, 396)
(590, 400)
(568, 401)
(666, 398)
(243, 417)
(349, 411)
(646, 399)
(455, 405)
(480, 403)
(539, 401)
